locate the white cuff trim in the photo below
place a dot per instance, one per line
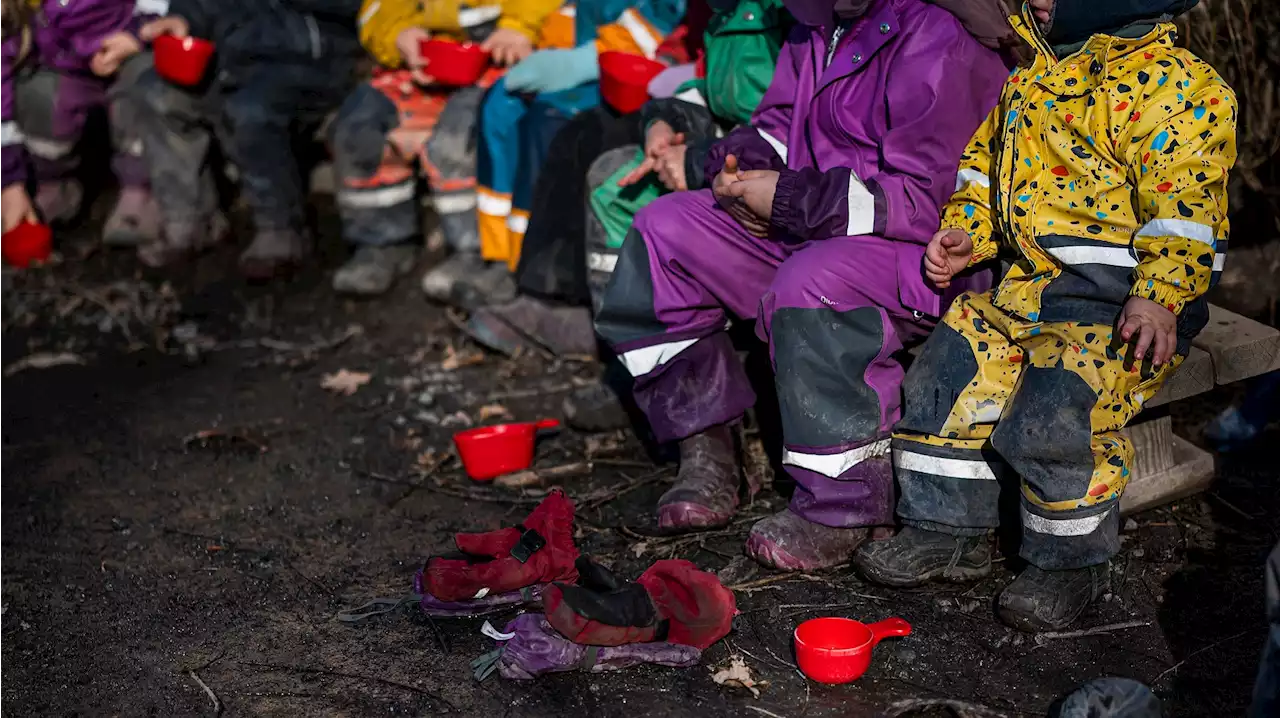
(833, 465)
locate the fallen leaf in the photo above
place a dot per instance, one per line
(43, 360)
(639, 548)
(344, 382)
(738, 675)
(454, 360)
(492, 411)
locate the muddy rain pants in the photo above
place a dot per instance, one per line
(830, 312)
(992, 395)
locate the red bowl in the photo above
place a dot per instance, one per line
(838, 650)
(27, 243)
(182, 60)
(491, 451)
(624, 80)
(459, 64)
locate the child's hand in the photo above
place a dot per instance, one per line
(171, 25)
(660, 137)
(114, 50)
(1156, 328)
(755, 189)
(729, 176)
(15, 206)
(671, 168)
(409, 43)
(507, 47)
(947, 254)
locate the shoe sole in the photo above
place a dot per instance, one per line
(687, 516)
(769, 554)
(942, 575)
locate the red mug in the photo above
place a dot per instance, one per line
(27, 243)
(460, 64)
(624, 80)
(491, 451)
(181, 60)
(838, 650)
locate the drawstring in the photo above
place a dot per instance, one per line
(376, 607)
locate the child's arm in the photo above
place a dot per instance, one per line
(970, 206)
(14, 152)
(381, 22)
(89, 26)
(526, 16)
(1178, 163)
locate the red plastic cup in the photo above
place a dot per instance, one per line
(838, 650)
(624, 80)
(27, 243)
(182, 60)
(459, 64)
(491, 451)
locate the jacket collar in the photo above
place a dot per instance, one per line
(868, 34)
(1082, 71)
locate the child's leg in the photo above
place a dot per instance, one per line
(601, 246)
(497, 157)
(135, 219)
(176, 128)
(450, 164)
(537, 132)
(51, 109)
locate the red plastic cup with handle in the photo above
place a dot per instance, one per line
(182, 60)
(838, 650)
(491, 451)
(459, 64)
(26, 244)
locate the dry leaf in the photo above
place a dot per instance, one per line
(43, 360)
(344, 382)
(639, 548)
(454, 360)
(493, 411)
(738, 675)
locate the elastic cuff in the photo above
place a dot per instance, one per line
(510, 23)
(984, 249)
(1166, 295)
(782, 215)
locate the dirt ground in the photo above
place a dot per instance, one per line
(152, 569)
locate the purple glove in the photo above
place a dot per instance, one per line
(669, 80)
(432, 606)
(535, 648)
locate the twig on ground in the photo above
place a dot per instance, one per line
(205, 437)
(1195, 653)
(961, 708)
(314, 582)
(43, 360)
(761, 582)
(482, 497)
(762, 711)
(540, 477)
(624, 463)
(1108, 628)
(1231, 506)
(217, 704)
(607, 496)
(530, 393)
(354, 676)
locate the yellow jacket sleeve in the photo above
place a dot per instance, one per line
(1179, 161)
(970, 207)
(382, 21)
(527, 16)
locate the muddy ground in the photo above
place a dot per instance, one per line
(144, 560)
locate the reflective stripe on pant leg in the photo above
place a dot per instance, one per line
(377, 188)
(948, 475)
(51, 109)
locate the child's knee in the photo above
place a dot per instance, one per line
(1046, 435)
(358, 134)
(945, 368)
(452, 145)
(34, 102)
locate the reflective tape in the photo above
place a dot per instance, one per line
(644, 360)
(833, 465)
(977, 469)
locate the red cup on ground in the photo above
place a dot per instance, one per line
(624, 80)
(27, 243)
(838, 650)
(459, 64)
(182, 60)
(491, 451)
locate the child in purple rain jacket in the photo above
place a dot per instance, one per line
(815, 225)
(63, 62)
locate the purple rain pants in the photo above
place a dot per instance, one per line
(830, 312)
(53, 107)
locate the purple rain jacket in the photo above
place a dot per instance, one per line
(65, 34)
(868, 139)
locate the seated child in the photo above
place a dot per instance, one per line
(280, 68)
(400, 120)
(816, 224)
(1104, 169)
(62, 64)
(524, 110)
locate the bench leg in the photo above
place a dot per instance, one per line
(1165, 467)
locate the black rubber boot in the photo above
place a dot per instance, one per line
(916, 556)
(1040, 600)
(706, 491)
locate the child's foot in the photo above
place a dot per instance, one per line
(563, 330)
(788, 542)
(595, 408)
(438, 282)
(59, 200)
(494, 284)
(706, 491)
(1040, 600)
(916, 556)
(372, 270)
(176, 242)
(134, 221)
(272, 253)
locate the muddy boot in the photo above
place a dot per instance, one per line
(565, 330)
(492, 285)
(1040, 600)
(916, 556)
(595, 408)
(273, 252)
(177, 242)
(134, 221)
(372, 270)
(438, 282)
(59, 201)
(706, 491)
(789, 542)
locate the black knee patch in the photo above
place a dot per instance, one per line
(452, 145)
(822, 358)
(626, 310)
(359, 132)
(1045, 433)
(942, 372)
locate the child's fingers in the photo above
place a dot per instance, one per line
(1145, 337)
(731, 164)
(638, 173)
(1125, 327)
(1163, 347)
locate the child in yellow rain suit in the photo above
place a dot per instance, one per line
(1103, 170)
(401, 120)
